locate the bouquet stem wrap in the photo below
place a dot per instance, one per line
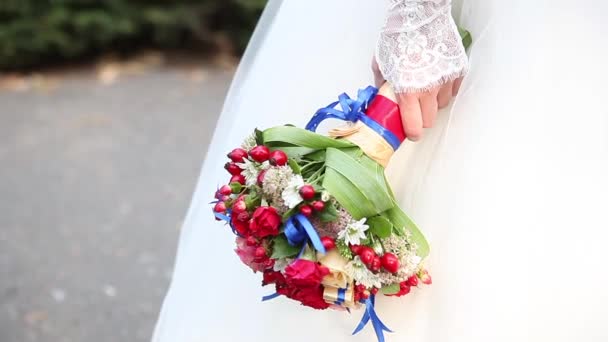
(384, 110)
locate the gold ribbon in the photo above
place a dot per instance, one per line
(367, 139)
(337, 279)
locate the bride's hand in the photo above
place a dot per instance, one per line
(419, 110)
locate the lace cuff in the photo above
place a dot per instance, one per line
(419, 47)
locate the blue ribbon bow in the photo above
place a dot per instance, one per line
(353, 111)
(370, 314)
(299, 231)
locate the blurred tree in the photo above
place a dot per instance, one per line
(35, 32)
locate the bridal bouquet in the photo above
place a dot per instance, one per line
(315, 215)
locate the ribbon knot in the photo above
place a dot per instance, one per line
(352, 110)
(299, 231)
(370, 314)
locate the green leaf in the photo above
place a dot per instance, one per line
(380, 226)
(467, 40)
(347, 195)
(295, 167)
(302, 138)
(292, 151)
(362, 178)
(329, 214)
(259, 137)
(318, 155)
(289, 214)
(282, 249)
(390, 289)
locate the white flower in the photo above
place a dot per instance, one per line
(325, 196)
(361, 274)
(354, 232)
(250, 171)
(249, 142)
(291, 193)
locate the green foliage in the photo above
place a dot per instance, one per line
(390, 289)
(33, 32)
(282, 249)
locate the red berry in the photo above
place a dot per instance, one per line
(412, 281)
(390, 262)
(360, 288)
(260, 153)
(238, 179)
(307, 192)
(374, 291)
(220, 207)
(355, 249)
(405, 289)
(357, 297)
(367, 255)
(260, 252)
(306, 210)
(244, 216)
(251, 241)
(239, 207)
(269, 263)
(376, 264)
(225, 190)
(365, 294)
(237, 155)
(278, 158)
(318, 205)
(233, 169)
(328, 243)
(425, 278)
(261, 176)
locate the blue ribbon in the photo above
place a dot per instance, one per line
(353, 111)
(299, 231)
(227, 219)
(269, 297)
(370, 314)
(341, 297)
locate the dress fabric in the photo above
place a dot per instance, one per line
(509, 186)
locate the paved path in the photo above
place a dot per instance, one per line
(96, 173)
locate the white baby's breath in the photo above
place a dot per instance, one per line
(354, 232)
(291, 193)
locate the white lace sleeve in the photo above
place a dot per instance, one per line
(419, 46)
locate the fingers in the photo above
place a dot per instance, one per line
(378, 78)
(411, 115)
(429, 106)
(445, 95)
(456, 86)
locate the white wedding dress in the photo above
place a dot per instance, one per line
(509, 187)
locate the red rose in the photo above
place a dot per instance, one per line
(265, 222)
(273, 277)
(308, 296)
(242, 227)
(305, 273)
